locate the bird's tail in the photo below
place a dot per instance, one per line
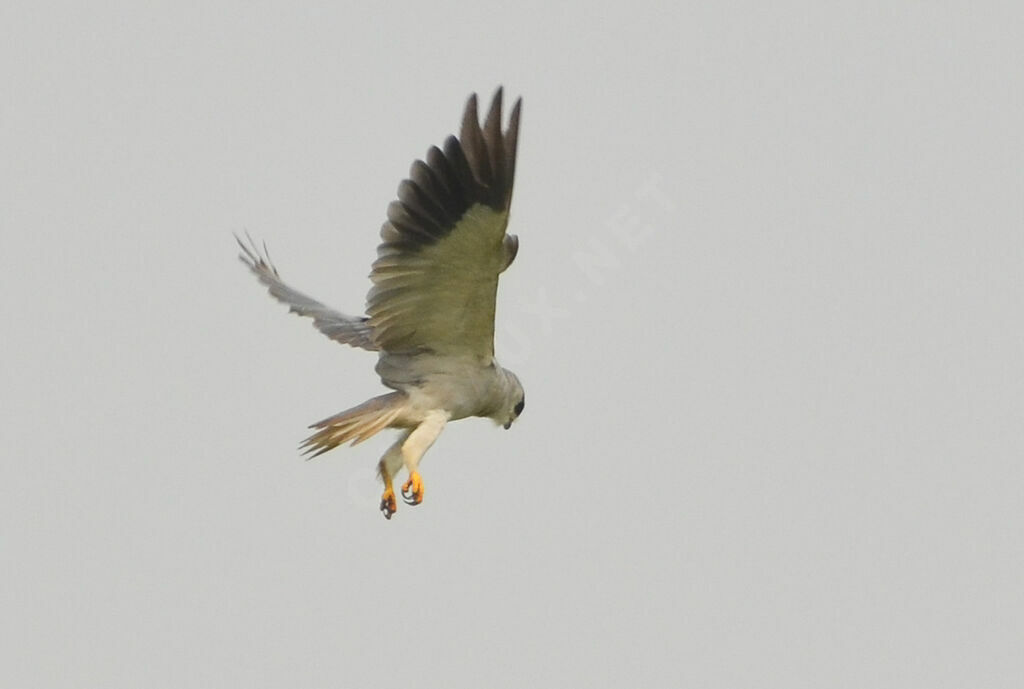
(355, 424)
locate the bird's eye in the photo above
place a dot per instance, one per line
(519, 407)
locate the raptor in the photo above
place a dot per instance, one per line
(430, 309)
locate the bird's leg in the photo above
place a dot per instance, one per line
(418, 442)
(388, 504)
(389, 464)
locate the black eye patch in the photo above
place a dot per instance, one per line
(519, 407)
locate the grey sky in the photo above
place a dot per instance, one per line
(767, 311)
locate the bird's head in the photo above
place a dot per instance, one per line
(515, 401)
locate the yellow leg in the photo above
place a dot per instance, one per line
(416, 443)
(388, 504)
(412, 490)
(389, 464)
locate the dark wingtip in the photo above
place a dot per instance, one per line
(511, 142)
(470, 120)
(514, 117)
(495, 110)
(477, 166)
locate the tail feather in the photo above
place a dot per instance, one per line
(355, 425)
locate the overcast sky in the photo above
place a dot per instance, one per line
(767, 310)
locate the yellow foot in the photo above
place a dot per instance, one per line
(388, 504)
(412, 490)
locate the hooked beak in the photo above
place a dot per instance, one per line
(508, 425)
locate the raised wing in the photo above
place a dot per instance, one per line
(444, 243)
(355, 331)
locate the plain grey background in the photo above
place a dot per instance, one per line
(767, 310)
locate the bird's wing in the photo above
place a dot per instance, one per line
(444, 243)
(350, 330)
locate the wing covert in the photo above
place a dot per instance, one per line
(444, 243)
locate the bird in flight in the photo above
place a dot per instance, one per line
(430, 309)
